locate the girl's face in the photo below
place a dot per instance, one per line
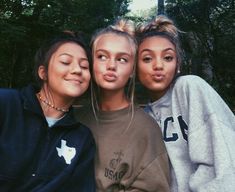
(157, 64)
(68, 72)
(113, 62)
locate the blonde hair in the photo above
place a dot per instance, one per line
(124, 28)
(161, 26)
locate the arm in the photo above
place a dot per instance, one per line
(154, 178)
(150, 165)
(214, 156)
(211, 139)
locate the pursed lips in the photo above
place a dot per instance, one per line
(110, 76)
(157, 76)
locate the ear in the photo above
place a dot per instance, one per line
(42, 73)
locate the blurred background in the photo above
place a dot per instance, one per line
(208, 41)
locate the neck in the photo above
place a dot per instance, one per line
(156, 95)
(53, 105)
(113, 101)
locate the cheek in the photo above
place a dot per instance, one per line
(142, 71)
(87, 76)
(172, 69)
(97, 67)
(129, 70)
(96, 72)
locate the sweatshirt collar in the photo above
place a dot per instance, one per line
(31, 103)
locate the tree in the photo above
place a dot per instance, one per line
(26, 23)
(209, 41)
(160, 10)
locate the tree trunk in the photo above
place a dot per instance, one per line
(160, 10)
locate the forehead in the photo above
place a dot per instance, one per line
(70, 48)
(156, 41)
(113, 43)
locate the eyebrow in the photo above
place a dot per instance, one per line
(65, 54)
(122, 53)
(83, 58)
(164, 50)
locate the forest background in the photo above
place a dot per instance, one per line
(208, 39)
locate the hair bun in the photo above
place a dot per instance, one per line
(161, 23)
(125, 25)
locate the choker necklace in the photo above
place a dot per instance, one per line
(51, 105)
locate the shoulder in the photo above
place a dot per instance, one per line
(190, 80)
(191, 83)
(8, 95)
(143, 120)
(198, 95)
(82, 111)
(10, 102)
(84, 115)
(85, 132)
(5, 92)
(146, 129)
(142, 116)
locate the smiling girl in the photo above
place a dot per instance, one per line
(42, 146)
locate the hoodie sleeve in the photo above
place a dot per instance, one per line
(211, 139)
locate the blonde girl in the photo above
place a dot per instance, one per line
(131, 155)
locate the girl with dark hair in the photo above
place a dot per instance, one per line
(197, 126)
(42, 146)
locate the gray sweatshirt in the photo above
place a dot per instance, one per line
(199, 132)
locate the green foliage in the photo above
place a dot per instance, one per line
(209, 41)
(26, 23)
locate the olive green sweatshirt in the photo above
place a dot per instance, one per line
(131, 154)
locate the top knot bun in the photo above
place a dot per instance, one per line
(161, 23)
(125, 25)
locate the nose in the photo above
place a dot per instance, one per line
(158, 64)
(111, 65)
(75, 68)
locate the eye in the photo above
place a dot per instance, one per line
(168, 58)
(122, 60)
(84, 64)
(65, 62)
(147, 59)
(102, 57)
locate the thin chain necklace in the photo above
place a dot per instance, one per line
(51, 105)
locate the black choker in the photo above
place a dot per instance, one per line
(51, 105)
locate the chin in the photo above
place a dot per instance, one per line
(77, 93)
(155, 88)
